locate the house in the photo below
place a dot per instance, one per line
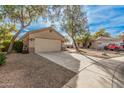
(101, 42)
(43, 40)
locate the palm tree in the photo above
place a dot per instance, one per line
(84, 39)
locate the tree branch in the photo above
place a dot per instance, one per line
(29, 21)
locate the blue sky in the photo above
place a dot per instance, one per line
(109, 17)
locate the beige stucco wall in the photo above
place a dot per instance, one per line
(46, 34)
(47, 45)
(26, 40)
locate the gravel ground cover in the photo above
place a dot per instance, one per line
(32, 71)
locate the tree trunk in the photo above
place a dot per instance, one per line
(76, 47)
(12, 41)
(0, 45)
(85, 44)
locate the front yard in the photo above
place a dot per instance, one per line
(101, 53)
(30, 70)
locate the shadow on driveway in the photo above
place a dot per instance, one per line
(102, 73)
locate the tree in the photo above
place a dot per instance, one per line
(23, 15)
(100, 33)
(72, 20)
(85, 39)
(6, 31)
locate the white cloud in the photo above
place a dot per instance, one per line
(109, 17)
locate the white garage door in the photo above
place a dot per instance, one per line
(47, 45)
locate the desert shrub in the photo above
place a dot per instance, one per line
(18, 46)
(5, 46)
(91, 47)
(2, 58)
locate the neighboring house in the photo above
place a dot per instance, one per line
(43, 40)
(101, 42)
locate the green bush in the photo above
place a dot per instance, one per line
(18, 46)
(2, 58)
(91, 47)
(5, 45)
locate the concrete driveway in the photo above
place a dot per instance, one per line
(71, 61)
(91, 71)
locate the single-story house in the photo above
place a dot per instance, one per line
(43, 40)
(101, 42)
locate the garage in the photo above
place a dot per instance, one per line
(47, 45)
(43, 40)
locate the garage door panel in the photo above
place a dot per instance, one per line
(47, 45)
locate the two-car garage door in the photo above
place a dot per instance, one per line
(47, 45)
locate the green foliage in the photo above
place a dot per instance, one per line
(5, 46)
(6, 32)
(2, 58)
(84, 39)
(72, 19)
(91, 47)
(101, 32)
(23, 15)
(18, 46)
(6, 35)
